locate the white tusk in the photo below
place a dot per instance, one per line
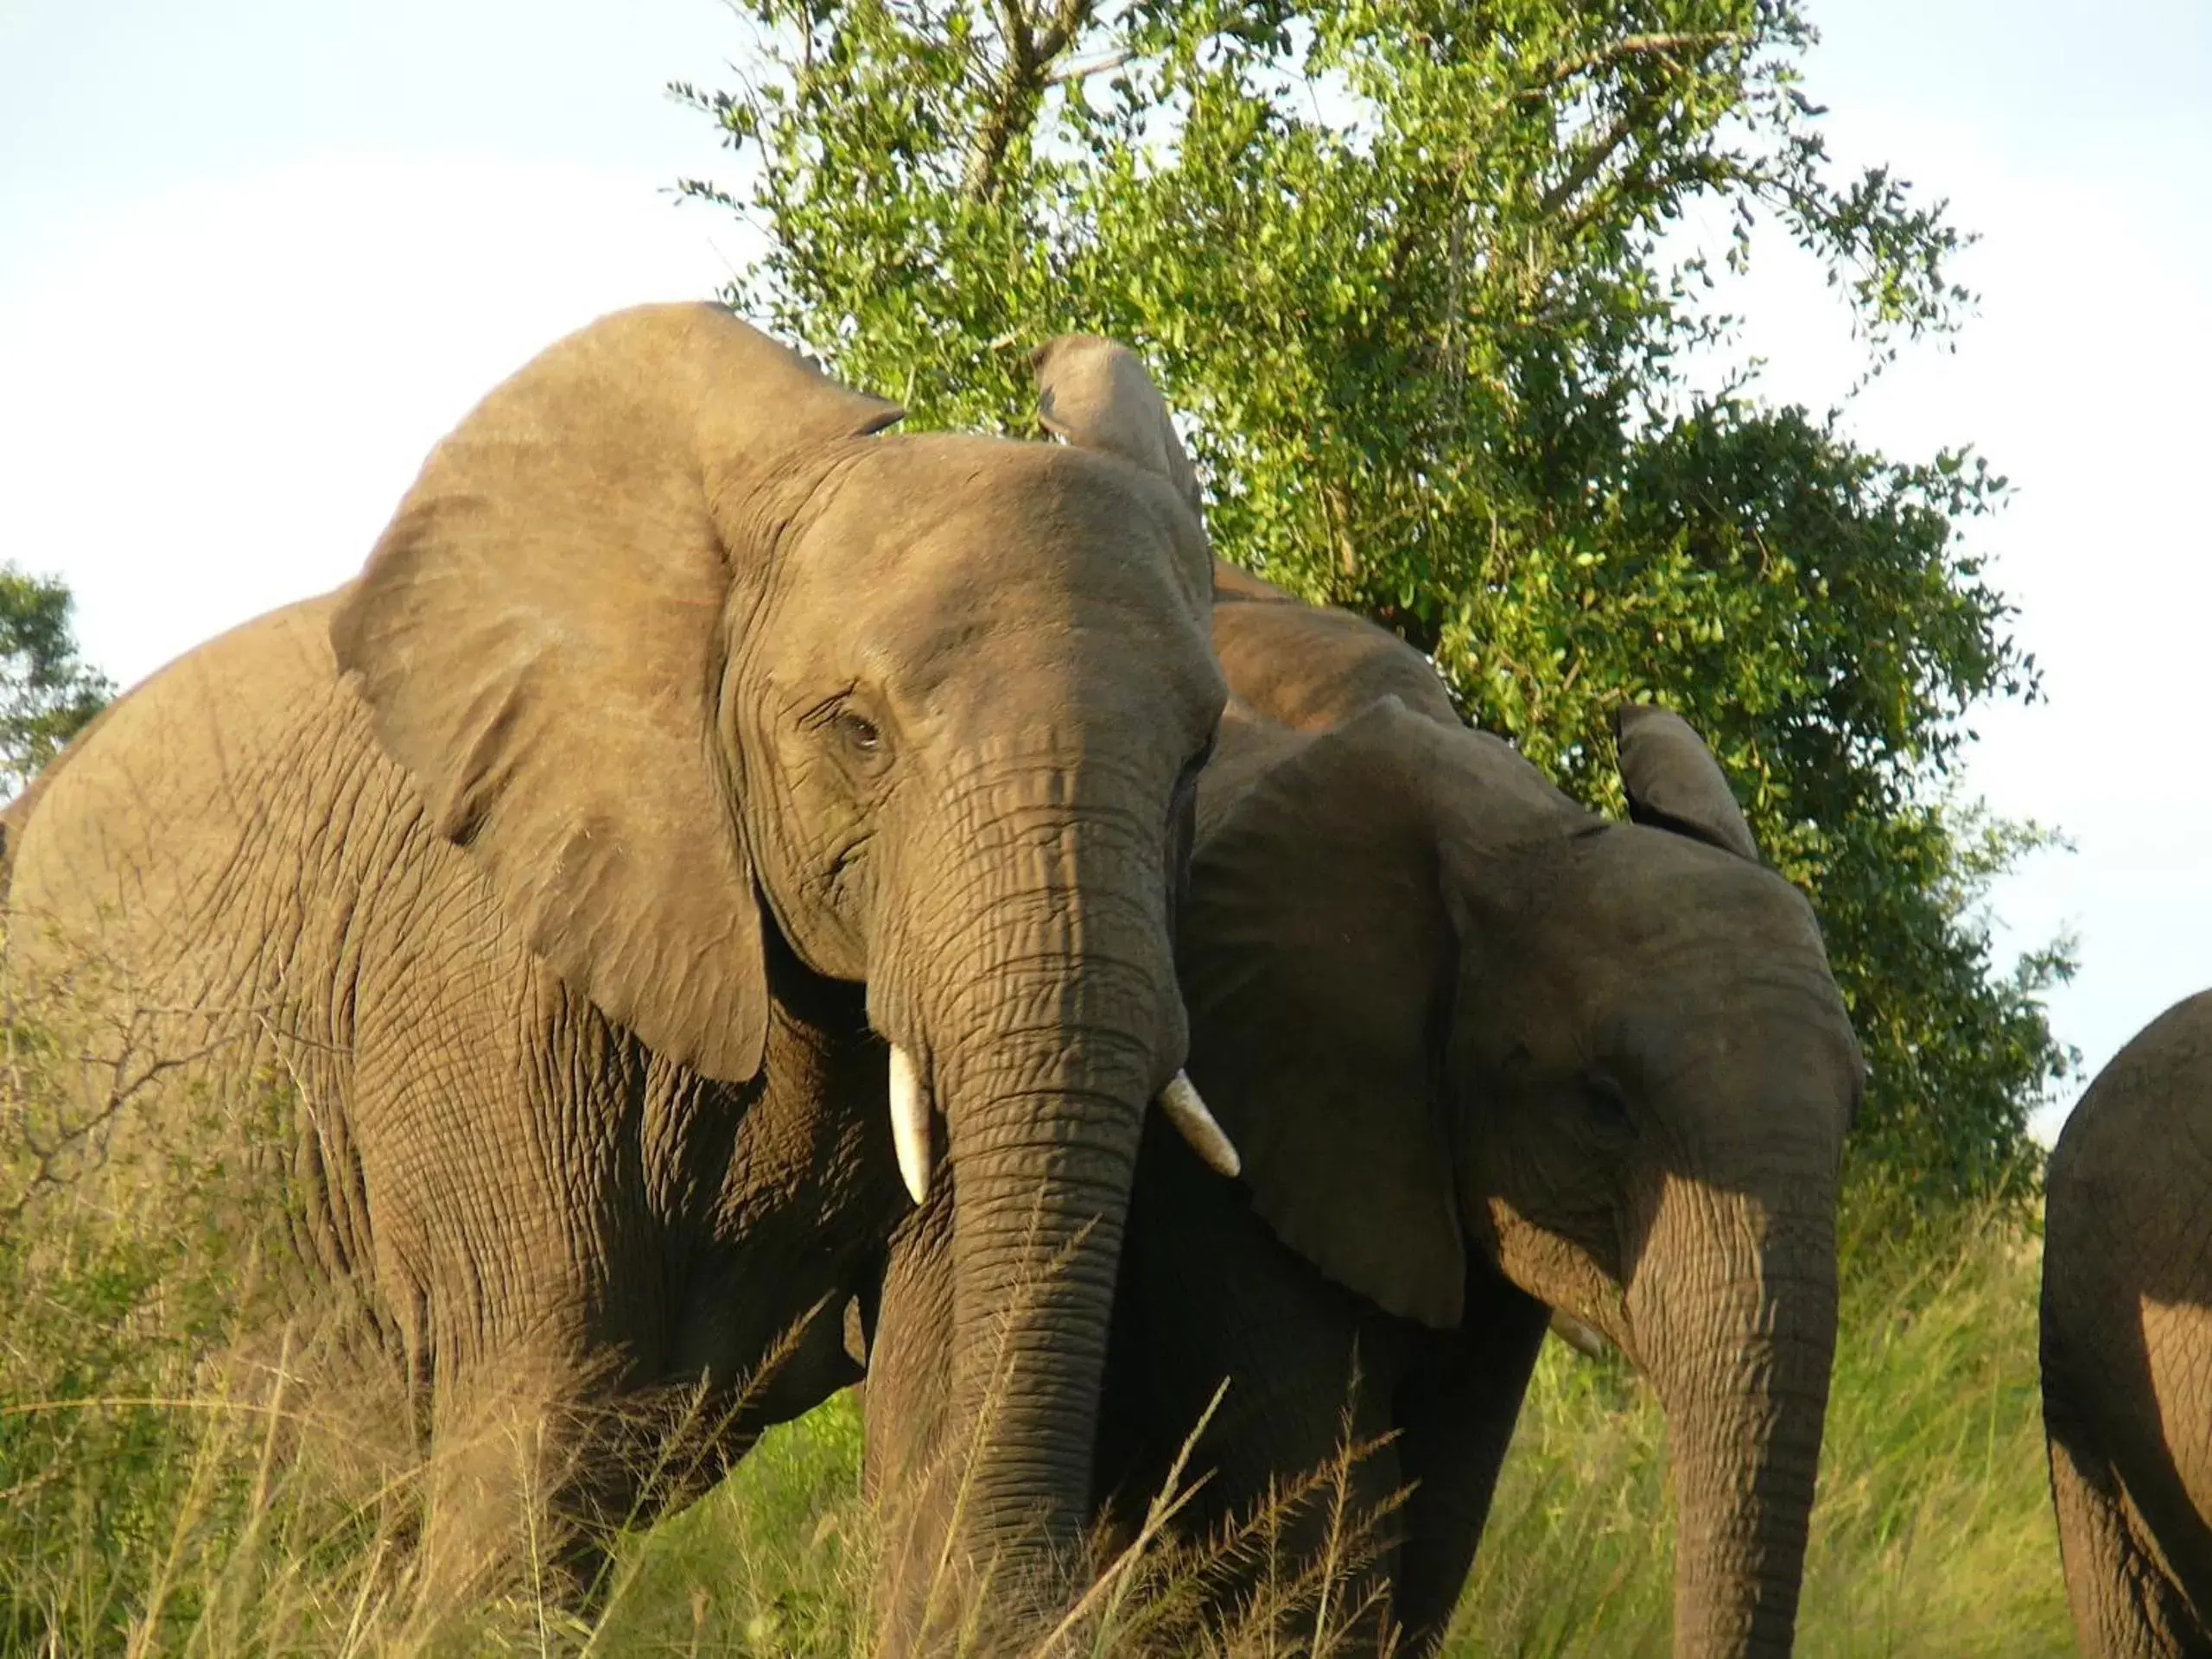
(1179, 1099)
(910, 1123)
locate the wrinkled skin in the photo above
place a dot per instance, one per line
(1484, 1055)
(2127, 1344)
(682, 743)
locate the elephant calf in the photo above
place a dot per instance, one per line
(2127, 1344)
(1484, 1054)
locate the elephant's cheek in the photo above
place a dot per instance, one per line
(1562, 1271)
(820, 864)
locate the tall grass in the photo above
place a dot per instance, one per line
(1933, 1533)
(162, 1490)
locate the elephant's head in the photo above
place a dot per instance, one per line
(1492, 1034)
(682, 652)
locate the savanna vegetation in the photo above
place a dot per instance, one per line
(48, 692)
(158, 1496)
(1428, 279)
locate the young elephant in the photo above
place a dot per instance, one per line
(2127, 1344)
(1482, 1052)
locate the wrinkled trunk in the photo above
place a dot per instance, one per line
(1041, 1189)
(1740, 1297)
(1049, 1011)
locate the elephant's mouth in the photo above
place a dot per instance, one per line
(914, 1114)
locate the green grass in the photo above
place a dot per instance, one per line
(1933, 1534)
(149, 1501)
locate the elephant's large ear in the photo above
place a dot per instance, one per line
(1316, 960)
(1094, 393)
(1673, 783)
(539, 638)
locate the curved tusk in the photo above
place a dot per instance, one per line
(910, 1123)
(1179, 1099)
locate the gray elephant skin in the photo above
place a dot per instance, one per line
(2126, 1343)
(1485, 1054)
(687, 763)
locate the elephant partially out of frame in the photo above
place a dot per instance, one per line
(2127, 1344)
(703, 822)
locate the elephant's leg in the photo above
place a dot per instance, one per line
(2126, 1604)
(908, 1326)
(1455, 1413)
(1290, 1459)
(491, 1124)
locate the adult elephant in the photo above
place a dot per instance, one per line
(700, 814)
(2127, 1344)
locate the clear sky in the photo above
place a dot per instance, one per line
(256, 255)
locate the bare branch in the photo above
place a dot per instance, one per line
(1594, 157)
(1111, 61)
(1021, 84)
(1071, 17)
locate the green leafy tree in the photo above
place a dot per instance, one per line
(47, 693)
(1421, 273)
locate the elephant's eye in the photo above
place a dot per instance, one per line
(859, 732)
(1607, 1103)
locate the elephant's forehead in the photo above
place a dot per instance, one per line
(1653, 886)
(1035, 513)
(933, 556)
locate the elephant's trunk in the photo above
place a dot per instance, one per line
(1051, 1017)
(1041, 1180)
(1738, 1295)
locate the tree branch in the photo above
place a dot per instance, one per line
(1084, 71)
(1594, 157)
(1633, 45)
(1021, 84)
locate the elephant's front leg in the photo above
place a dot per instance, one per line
(908, 1462)
(1297, 1460)
(1455, 1413)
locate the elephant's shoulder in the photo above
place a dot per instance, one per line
(247, 700)
(1312, 667)
(288, 648)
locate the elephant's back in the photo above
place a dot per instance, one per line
(2127, 1193)
(2139, 1142)
(1312, 668)
(199, 837)
(2126, 1308)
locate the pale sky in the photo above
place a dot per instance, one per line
(255, 256)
